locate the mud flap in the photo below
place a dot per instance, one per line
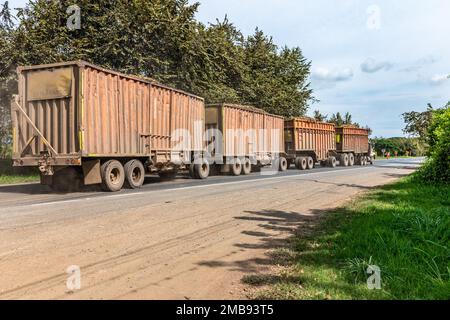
(46, 180)
(91, 172)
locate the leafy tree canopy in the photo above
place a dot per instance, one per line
(160, 39)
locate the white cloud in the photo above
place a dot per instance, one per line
(439, 79)
(372, 66)
(331, 75)
(335, 33)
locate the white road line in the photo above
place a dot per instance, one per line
(195, 187)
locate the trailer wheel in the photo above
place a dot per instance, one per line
(365, 160)
(361, 161)
(283, 164)
(236, 167)
(202, 170)
(134, 174)
(332, 162)
(310, 161)
(246, 167)
(301, 163)
(344, 160)
(192, 171)
(113, 176)
(351, 159)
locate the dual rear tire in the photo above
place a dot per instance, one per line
(115, 176)
(240, 166)
(304, 163)
(347, 160)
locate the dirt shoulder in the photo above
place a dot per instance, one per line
(194, 243)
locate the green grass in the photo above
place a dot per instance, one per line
(403, 228)
(10, 175)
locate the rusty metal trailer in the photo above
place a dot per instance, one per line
(244, 137)
(80, 123)
(352, 145)
(308, 142)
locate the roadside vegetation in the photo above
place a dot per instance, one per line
(403, 228)
(405, 147)
(10, 175)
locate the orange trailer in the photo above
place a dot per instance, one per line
(248, 136)
(352, 145)
(308, 142)
(77, 121)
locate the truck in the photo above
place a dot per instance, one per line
(82, 124)
(244, 138)
(308, 142)
(352, 145)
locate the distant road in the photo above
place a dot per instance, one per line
(178, 239)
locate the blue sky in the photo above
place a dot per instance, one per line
(375, 59)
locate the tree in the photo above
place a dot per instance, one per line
(160, 39)
(275, 81)
(319, 116)
(403, 146)
(337, 119)
(348, 118)
(417, 123)
(437, 168)
(7, 81)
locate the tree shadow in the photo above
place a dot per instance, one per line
(312, 237)
(272, 222)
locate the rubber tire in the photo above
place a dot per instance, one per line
(66, 180)
(343, 162)
(351, 159)
(246, 167)
(106, 169)
(332, 162)
(129, 167)
(282, 164)
(192, 171)
(236, 167)
(202, 170)
(310, 162)
(301, 163)
(362, 161)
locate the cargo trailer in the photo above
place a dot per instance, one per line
(352, 145)
(80, 123)
(308, 142)
(242, 138)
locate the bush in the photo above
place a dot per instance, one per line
(437, 168)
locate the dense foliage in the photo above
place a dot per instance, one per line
(160, 39)
(403, 146)
(437, 169)
(417, 123)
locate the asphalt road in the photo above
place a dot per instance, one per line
(180, 239)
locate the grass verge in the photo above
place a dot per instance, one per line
(10, 175)
(403, 228)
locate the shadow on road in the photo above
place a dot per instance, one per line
(273, 222)
(272, 239)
